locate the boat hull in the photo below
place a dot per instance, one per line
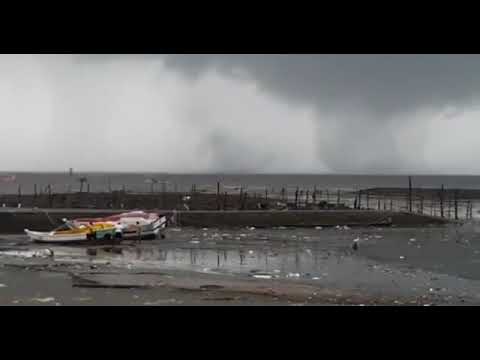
(44, 237)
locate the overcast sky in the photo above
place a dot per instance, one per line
(241, 113)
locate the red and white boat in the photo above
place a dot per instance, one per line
(133, 223)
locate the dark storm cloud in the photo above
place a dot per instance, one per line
(360, 100)
(385, 84)
(241, 113)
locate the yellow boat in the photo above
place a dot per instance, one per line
(68, 232)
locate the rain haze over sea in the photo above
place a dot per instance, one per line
(142, 182)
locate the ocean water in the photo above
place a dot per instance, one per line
(138, 182)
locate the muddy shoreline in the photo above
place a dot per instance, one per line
(393, 266)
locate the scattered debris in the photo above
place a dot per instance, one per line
(318, 228)
(40, 253)
(262, 276)
(293, 275)
(44, 300)
(162, 301)
(82, 299)
(211, 287)
(195, 242)
(355, 244)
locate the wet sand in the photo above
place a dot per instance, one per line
(392, 266)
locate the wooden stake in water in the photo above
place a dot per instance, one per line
(410, 194)
(456, 204)
(338, 197)
(441, 201)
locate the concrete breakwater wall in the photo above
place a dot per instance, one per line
(167, 200)
(303, 218)
(16, 220)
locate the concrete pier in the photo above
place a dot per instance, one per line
(16, 220)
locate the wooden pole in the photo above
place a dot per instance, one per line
(245, 197)
(338, 197)
(410, 194)
(306, 197)
(441, 202)
(218, 195)
(50, 195)
(359, 199)
(241, 197)
(225, 201)
(368, 200)
(296, 197)
(456, 204)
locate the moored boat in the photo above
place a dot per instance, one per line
(70, 232)
(133, 224)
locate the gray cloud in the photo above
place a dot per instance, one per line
(384, 84)
(234, 113)
(361, 100)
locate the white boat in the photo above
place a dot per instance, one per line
(69, 232)
(132, 223)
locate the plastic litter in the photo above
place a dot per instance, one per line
(44, 300)
(194, 242)
(318, 228)
(260, 276)
(293, 275)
